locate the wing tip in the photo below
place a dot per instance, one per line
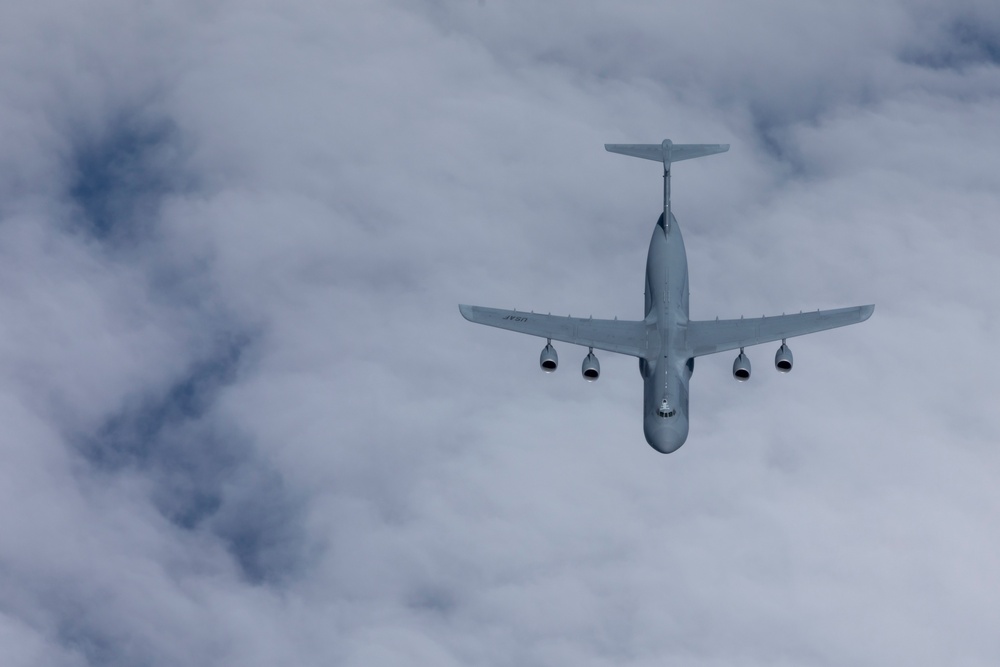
(466, 311)
(866, 312)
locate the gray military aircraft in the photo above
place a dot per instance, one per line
(666, 341)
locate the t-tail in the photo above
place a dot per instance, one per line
(667, 152)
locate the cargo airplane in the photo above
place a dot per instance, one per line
(666, 341)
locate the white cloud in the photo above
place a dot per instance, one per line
(245, 423)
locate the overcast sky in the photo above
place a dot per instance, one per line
(243, 422)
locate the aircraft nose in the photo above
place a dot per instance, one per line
(666, 435)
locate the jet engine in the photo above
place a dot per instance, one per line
(591, 367)
(783, 358)
(549, 360)
(741, 367)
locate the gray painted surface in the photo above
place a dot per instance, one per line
(666, 341)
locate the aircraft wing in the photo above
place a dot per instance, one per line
(709, 336)
(621, 336)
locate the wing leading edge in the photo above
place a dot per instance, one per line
(621, 336)
(710, 336)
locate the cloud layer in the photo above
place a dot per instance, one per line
(245, 423)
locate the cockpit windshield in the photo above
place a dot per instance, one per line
(665, 410)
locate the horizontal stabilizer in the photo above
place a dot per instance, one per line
(667, 151)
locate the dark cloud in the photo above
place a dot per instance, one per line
(968, 39)
(131, 437)
(122, 173)
(206, 474)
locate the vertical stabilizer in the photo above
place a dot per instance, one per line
(667, 152)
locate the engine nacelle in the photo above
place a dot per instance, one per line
(783, 358)
(741, 367)
(591, 367)
(549, 360)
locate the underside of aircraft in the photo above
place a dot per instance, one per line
(666, 341)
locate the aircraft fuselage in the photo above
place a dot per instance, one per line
(666, 371)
